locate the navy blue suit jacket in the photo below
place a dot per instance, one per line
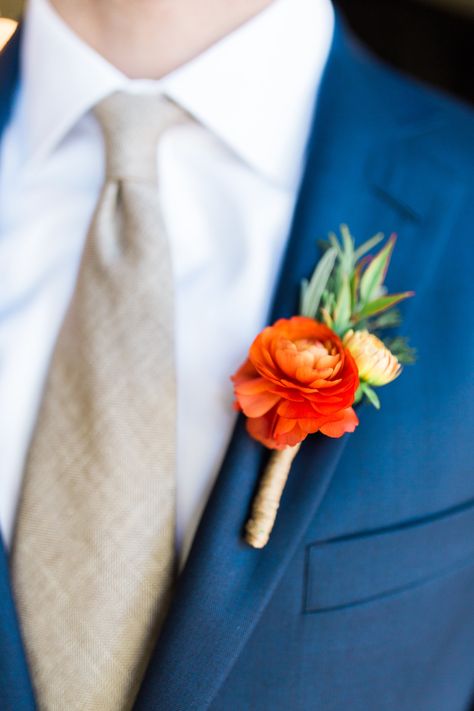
(364, 597)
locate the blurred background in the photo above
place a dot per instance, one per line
(431, 39)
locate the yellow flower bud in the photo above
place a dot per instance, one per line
(376, 364)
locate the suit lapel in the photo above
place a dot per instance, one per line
(226, 585)
(15, 686)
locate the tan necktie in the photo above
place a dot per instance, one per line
(93, 554)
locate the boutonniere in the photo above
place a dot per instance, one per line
(305, 374)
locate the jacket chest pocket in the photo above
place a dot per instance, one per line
(365, 567)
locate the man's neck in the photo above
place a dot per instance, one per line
(149, 38)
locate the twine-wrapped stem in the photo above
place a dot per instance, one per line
(267, 501)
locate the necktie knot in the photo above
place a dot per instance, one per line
(132, 125)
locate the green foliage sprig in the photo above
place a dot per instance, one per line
(347, 292)
(347, 287)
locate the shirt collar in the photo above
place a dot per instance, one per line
(255, 89)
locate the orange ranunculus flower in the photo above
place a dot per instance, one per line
(298, 379)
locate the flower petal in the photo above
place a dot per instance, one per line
(258, 404)
(336, 428)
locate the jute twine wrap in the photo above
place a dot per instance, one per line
(267, 501)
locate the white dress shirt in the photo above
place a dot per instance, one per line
(228, 185)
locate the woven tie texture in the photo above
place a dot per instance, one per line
(93, 556)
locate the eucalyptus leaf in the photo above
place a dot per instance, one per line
(387, 319)
(359, 394)
(355, 282)
(371, 395)
(328, 301)
(367, 246)
(381, 304)
(373, 276)
(326, 316)
(334, 242)
(312, 290)
(348, 249)
(342, 310)
(303, 294)
(401, 349)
